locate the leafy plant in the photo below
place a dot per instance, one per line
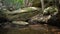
(13, 3)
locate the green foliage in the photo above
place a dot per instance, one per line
(13, 3)
(52, 10)
(30, 0)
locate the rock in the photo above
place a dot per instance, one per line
(48, 15)
(22, 14)
(20, 23)
(51, 10)
(39, 19)
(27, 9)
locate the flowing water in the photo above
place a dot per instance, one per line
(31, 29)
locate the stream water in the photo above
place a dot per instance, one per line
(31, 29)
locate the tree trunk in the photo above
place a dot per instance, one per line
(42, 3)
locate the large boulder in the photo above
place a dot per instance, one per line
(22, 14)
(49, 14)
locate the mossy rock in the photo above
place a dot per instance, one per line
(23, 14)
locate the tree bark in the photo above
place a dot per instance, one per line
(42, 4)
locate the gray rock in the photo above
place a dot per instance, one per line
(20, 23)
(39, 18)
(48, 14)
(22, 14)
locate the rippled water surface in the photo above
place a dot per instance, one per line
(31, 29)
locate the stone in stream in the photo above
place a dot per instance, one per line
(39, 19)
(22, 14)
(48, 14)
(19, 24)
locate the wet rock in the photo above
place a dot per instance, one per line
(49, 14)
(20, 22)
(51, 10)
(39, 19)
(22, 14)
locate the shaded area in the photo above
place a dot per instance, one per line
(3, 31)
(37, 28)
(31, 29)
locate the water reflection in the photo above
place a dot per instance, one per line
(31, 29)
(3, 30)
